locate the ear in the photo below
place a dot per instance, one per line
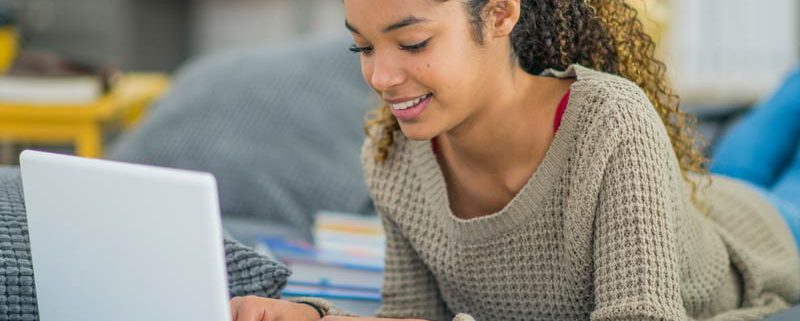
(501, 16)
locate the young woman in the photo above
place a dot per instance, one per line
(531, 163)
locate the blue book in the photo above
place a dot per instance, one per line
(295, 290)
(303, 251)
(325, 269)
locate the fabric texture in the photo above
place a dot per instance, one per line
(603, 230)
(248, 272)
(789, 212)
(279, 127)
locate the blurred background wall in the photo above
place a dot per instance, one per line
(718, 51)
(160, 34)
(730, 51)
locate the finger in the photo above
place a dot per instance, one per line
(250, 310)
(235, 302)
(340, 318)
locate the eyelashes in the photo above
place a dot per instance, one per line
(415, 48)
(360, 50)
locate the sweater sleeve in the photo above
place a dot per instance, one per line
(409, 288)
(636, 262)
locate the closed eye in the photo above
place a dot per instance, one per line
(361, 50)
(416, 47)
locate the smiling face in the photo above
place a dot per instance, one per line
(421, 58)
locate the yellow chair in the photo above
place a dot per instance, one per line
(82, 124)
(8, 47)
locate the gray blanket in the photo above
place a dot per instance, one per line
(248, 272)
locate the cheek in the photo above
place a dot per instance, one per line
(444, 77)
(431, 70)
(424, 73)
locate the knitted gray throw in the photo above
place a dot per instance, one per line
(248, 272)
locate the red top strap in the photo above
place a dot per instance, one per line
(562, 106)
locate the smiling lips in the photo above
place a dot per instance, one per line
(410, 109)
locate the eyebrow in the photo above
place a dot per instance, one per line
(407, 21)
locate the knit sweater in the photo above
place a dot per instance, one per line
(603, 230)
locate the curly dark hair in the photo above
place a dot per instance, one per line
(605, 35)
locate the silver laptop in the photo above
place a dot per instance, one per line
(116, 241)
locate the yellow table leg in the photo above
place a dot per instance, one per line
(89, 142)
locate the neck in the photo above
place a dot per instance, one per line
(513, 126)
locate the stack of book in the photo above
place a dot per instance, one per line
(43, 79)
(345, 265)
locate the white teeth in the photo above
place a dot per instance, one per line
(407, 104)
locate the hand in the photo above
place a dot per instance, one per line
(253, 308)
(335, 318)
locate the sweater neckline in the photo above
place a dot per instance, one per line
(532, 195)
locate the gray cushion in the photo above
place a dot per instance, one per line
(279, 126)
(248, 272)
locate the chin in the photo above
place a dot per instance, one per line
(418, 131)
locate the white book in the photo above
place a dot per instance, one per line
(50, 90)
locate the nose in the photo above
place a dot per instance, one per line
(386, 73)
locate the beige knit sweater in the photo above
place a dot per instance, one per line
(603, 230)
